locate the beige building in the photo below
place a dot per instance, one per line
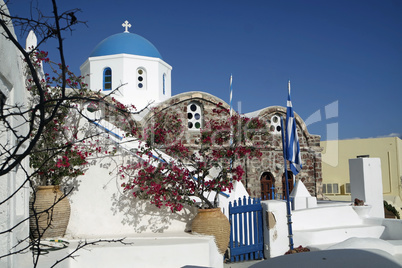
(335, 166)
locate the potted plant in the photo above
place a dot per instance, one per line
(174, 173)
(56, 155)
(360, 208)
(63, 142)
(390, 211)
(50, 207)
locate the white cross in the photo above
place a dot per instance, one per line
(126, 25)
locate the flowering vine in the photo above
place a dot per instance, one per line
(65, 143)
(174, 173)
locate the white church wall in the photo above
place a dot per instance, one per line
(96, 65)
(154, 80)
(85, 69)
(124, 71)
(99, 208)
(165, 69)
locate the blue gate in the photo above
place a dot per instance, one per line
(246, 237)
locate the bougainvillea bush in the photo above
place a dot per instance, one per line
(55, 154)
(65, 142)
(174, 173)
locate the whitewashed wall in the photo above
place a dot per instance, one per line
(99, 208)
(366, 183)
(124, 71)
(14, 210)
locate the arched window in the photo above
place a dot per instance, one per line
(267, 186)
(164, 84)
(141, 79)
(290, 183)
(107, 79)
(194, 116)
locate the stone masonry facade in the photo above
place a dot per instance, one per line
(272, 159)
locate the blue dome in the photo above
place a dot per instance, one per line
(127, 43)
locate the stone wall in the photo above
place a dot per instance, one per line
(272, 159)
(273, 162)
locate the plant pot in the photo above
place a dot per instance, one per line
(362, 211)
(389, 214)
(213, 222)
(52, 214)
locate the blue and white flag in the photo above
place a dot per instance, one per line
(292, 140)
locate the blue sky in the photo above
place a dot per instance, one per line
(343, 57)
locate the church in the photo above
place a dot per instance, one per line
(133, 65)
(131, 60)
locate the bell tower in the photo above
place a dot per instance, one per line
(132, 64)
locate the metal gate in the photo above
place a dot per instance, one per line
(246, 236)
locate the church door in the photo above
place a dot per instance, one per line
(267, 183)
(290, 183)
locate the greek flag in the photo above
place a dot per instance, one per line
(292, 140)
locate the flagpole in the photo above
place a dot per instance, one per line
(288, 214)
(230, 111)
(291, 152)
(231, 94)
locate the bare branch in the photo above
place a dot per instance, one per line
(85, 243)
